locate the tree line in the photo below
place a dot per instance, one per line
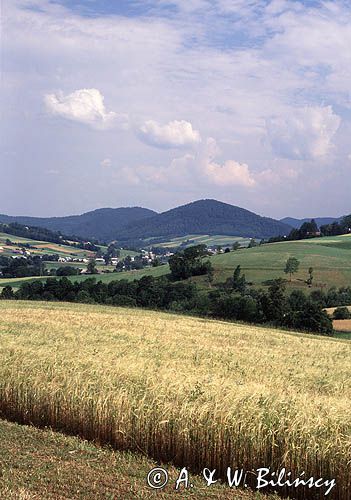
(233, 300)
(311, 230)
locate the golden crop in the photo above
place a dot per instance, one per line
(194, 392)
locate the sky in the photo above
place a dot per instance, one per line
(157, 103)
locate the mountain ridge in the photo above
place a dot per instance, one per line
(126, 224)
(97, 224)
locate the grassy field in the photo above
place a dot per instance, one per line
(105, 278)
(194, 392)
(329, 257)
(41, 464)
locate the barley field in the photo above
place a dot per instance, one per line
(192, 392)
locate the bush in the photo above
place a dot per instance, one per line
(7, 293)
(342, 313)
(67, 271)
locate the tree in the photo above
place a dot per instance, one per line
(239, 280)
(253, 243)
(291, 266)
(236, 246)
(7, 293)
(189, 263)
(310, 276)
(91, 267)
(67, 271)
(342, 313)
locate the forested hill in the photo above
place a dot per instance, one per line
(320, 221)
(204, 217)
(134, 224)
(102, 224)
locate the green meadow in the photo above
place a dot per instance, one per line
(330, 258)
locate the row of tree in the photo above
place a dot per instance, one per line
(311, 230)
(235, 302)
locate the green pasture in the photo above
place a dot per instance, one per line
(105, 278)
(329, 257)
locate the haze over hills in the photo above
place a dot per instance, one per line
(320, 221)
(102, 224)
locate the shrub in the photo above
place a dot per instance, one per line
(342, 313)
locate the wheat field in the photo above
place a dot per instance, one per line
(193, 392)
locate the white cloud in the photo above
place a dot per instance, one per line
(84, 106)
(230, 173)
(226, 68)
(175, 134)
(106, 163)
(305, 134)
(197, 170)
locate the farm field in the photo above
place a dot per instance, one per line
(342, 325)
(41, 247)
(37, 464)
(195, 239)
(191, 391)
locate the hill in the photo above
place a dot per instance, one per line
(166, 384)
(320, 221)
(329, 256)
(205, 217)
(102, 224)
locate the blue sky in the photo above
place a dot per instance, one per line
(157, 103)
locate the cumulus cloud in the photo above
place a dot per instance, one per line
(84, 106)
(175, 134)
(106, 163)
(305, 134)
(198, 170)
(230, 173)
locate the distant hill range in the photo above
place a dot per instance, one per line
(102, 224)
(320, 221)
(208, 217)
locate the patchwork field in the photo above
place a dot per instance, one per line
(41, 247)
(183, 390)
(205, 239)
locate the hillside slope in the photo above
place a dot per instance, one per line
(66, 467)
(205, 217)
(102, 224)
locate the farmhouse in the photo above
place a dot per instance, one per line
(100, 260)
